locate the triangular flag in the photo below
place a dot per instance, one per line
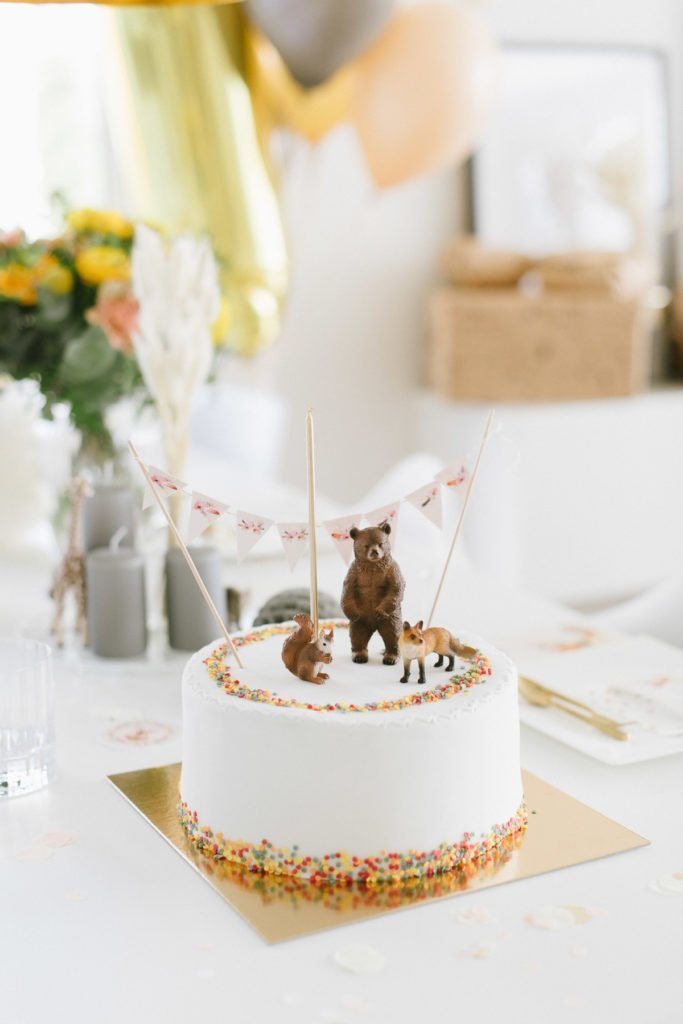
(203, 512)
(338, 530)
(294, 537)
(250, 529)
(385, 514)
(454, 475)
(427, 500)
(163, 483)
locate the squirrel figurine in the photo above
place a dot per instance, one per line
(415, 643)
(304, 654)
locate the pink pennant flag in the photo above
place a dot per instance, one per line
(203, 512)
(454, 475)
(250, 529)
(385, 514)
(338, 530)
(294, 537)
(163, 483)
(427, 500)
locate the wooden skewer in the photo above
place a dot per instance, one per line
(312, 546)
(186, 554)
(461, 519)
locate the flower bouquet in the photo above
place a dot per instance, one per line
(67, 316)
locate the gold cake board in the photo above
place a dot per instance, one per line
(561, 832)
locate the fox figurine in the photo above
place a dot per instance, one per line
(416, 643)
(304, 654)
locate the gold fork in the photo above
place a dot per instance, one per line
(543, 697)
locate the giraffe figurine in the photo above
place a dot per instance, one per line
(71, 572)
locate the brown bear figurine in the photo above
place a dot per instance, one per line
(372, 593)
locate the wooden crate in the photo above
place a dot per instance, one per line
(503, 345)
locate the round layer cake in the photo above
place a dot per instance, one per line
(360, 779)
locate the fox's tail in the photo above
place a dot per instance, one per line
(462, 650)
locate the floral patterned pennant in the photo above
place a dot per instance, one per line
(203, 512)
(294, 537)
(163, 483)
(385, 514)
(250, 529)
(427, 500)
(454, 475)
(338, 530)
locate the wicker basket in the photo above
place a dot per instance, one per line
(504, 345)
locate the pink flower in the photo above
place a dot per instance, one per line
(116, 312)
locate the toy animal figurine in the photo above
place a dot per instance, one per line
(416, 643)
(71, 572)
(304, 654)
(372, 594)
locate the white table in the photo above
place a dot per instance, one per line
(117, 928)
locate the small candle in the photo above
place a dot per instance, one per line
(115, 591)
(190, 622)
(110, 507)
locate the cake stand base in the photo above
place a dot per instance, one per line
(561, 832)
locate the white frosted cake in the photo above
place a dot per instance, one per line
(360, 779)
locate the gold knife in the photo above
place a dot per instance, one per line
(543, 696)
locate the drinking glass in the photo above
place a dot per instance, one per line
(27, 717)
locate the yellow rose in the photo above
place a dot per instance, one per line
(221, 324)
(99, 263)
(52, 275)
(18, 283)
(100, 222)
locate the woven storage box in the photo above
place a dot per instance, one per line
(503, 345)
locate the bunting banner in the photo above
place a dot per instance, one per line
(453, 475)
(385, 514)
(294, 537)
(427, 500)
(338, 530)
(204, 511)
(163, 483)
(250, 529)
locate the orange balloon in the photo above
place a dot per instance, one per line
(423, 92)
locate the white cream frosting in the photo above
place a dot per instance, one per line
(361, 782)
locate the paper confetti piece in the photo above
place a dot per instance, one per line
(292, 999)
(56, 840)
(554, 918)
(359, 959)
(477, 915)
(77, 897)
(668, 885)
(477, 952)
(35, 854)
(140, 733)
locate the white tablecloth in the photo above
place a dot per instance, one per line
(115, 927)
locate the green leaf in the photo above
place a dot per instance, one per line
(87, 357)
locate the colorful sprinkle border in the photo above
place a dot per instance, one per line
(341, 868)
(219, 671)
(350, 896)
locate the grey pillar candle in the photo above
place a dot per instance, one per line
(115, 591)
(190, 622)
(110, 507)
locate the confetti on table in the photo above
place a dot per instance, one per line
(554, 918)
(359, 959)
(35, 854)
(292, 999)
(477, 952)
(77, 897)
(476, 915)
(139, 733)
(668, 885)
(57, 840)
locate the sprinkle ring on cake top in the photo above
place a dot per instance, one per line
(219, 671)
